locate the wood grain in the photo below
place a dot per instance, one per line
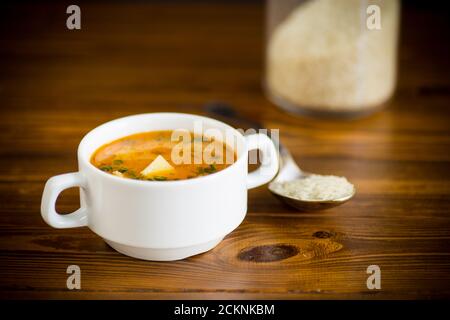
(56, 85)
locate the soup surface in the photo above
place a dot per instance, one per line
(149, 156)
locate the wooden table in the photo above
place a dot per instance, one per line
(56, 85)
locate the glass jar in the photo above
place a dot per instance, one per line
(331, 57)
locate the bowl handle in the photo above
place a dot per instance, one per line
(53, 188)
(269, 160)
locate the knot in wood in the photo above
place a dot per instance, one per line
(268, 253)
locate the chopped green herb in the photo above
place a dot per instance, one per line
(106, 168)
(132, 174)
(117, 162)
(208, 170)
(159, 178)
(122, 170)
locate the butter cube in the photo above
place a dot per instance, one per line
(157, 166)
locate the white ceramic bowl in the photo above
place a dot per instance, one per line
(160, 220)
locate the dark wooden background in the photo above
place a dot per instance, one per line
(56, 85)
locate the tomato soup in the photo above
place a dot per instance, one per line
(151, 156)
